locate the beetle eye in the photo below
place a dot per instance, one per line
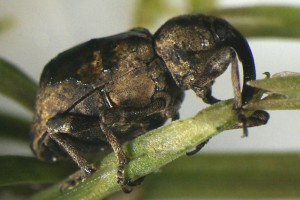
(221, 29)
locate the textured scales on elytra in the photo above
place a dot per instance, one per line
(110, 90)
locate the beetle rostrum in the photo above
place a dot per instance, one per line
(113, 89)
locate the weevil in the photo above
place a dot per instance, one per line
(110, 90)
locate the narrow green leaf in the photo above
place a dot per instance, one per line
(16, 85)
(19, 192)
(150, 151)
(283, 89)
(14, 128)
(255, 21)
(223, 176)
(27, 170)
(264, 21)
(219, 175)
(275, 104)
(288, 85)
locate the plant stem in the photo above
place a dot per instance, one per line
(150, 152)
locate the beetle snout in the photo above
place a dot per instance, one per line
(242, 48)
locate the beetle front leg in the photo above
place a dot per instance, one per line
(237, 104)
(214, 66)
(205, 93)
(258, 118)
(73, 153)
(61, 128)
(198, 148)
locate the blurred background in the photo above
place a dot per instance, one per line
(38, 30)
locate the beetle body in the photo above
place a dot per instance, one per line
(85, 83)
(113, 89)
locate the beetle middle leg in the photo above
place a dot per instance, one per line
(197, 148)
(126, 115)
(62, 127)
(122, 158)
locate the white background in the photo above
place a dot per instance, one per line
(42, 29)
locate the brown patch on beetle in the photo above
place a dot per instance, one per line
(91, 70)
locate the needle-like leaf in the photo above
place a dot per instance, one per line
(16, 85)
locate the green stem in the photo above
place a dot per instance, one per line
(150, 152)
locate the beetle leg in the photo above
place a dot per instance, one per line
(62, 128)
(175, 116)
(136, 182)
(215, 65)
(122, 158)
(258, 118)
(236, 84)
(172, 111)
(206, 94)
(237, 104)
(218, 64)
(198, 148)
(125, 115)
(73, 153)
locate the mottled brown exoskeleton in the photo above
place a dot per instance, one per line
(113, 89)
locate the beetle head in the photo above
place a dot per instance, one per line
(188, 43)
